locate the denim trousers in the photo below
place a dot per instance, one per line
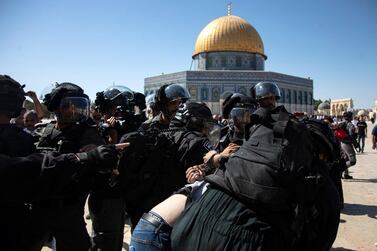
(147, 237)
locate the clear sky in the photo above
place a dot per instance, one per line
(98, 43)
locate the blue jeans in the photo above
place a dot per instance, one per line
(147, 237)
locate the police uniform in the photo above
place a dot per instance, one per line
(229, 135)
(14, 142)
(13, 208)
(62, 216)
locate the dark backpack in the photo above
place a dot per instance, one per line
(277, 173)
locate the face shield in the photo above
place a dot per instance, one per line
(213, 132)
(176, 91)
(115, 91)
(265, 90)
(241, 114)
(73, 110)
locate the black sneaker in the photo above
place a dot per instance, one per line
(348, 177)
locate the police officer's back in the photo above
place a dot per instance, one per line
(195, 133)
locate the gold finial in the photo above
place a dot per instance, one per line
(229, 8)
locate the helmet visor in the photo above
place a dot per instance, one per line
(73, 110)
(213, 132)
(115, 91)
(176, 91)
(266, 90)
(241, 115)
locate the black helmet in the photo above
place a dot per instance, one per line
(348, 115)
(324, 137)
(150, 99)
(52, 100)
(113, 92)
(194, 115)
(113, 96)
(264, 90)
(12, 96)
(139, 100)
(238, 102)
(168, 93)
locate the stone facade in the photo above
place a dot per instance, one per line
(207, 86)
(339, 106)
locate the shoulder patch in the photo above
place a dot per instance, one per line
(207, 145)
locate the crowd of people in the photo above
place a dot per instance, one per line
(255, 177)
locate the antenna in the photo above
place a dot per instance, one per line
(229, 8)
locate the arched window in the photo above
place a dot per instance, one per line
(282, 99)
(209, 61)
(193, 92)
(305, 98)
(223, 61)
(216, 94)
(310, 98)
(204, 94)
(300, 97)
(238, 61)
(295, 97)
(289, 100)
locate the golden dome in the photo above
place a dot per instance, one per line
(229, 33)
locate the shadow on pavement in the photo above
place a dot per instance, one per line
(342, 249)
(361, 180)
(357, 209)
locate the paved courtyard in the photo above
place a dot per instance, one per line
(358, 227)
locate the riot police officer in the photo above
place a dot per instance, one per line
(117, 106)
(106, 203)
(266, 93)
(238, 109)
(62, 216)
(43, 171)
(195, 133)
(168, 98)
(14, 142)
(158, 163)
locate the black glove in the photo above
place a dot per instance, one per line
(103, 159)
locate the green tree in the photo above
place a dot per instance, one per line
(316, 103)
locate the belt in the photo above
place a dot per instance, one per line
(156, 221)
